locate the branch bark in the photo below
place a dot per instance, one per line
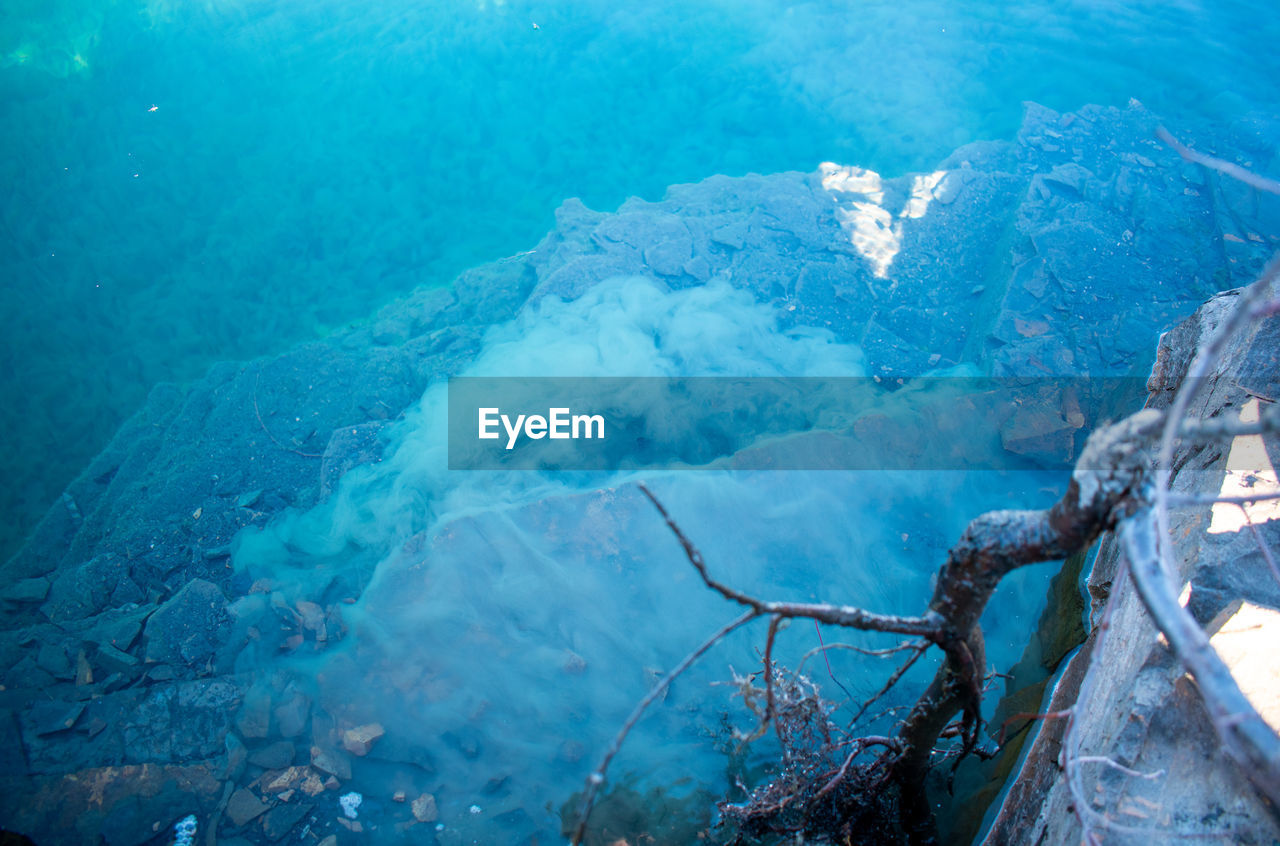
(1245, 736)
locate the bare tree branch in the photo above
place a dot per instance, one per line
(1233, 170)
(771, 708)
(1262, 544)
(918, 649)
(1100, 759)
(874, 653)
(1108, 488)
(837, 615)
(1246, 737)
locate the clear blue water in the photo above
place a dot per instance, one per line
(188, 182)
(308, 161)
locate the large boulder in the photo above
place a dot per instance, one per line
(190, 627)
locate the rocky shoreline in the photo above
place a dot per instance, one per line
(124, 708)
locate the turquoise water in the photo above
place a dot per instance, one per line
(187, 182)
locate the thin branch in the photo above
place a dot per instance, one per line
(1262, 544)
(1225, 427)
(874, 653)
(596, 779)
(1246, 737)
(919, 649)
(817, 627)
(770, 707)
(1233, 170)
(1100, 759)
(1029, 717)
(836, 615)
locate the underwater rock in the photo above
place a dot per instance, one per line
(114, 660)
(254, 719)
(178, 722)
(281, 819)
(312, 785)
(117, 627)
(243, 807)
(1042, 434)
(52, 717)
(349, 446)
(672, 247)
(115, 804)
(358, 741)
(189, 628)
(53, 659)
(248, 499)
(732, 235)
(332, 762)
(276, 756)
(424, 808)
(292, 713)
(26, 590)
(285, 780)
(466, 740)
(79, 592)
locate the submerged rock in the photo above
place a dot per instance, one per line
(26, 590)
(191, 627)
(332, 762)
(244, 806)
(282, 819)
(276, 756)
(424, 808)
(359, 740)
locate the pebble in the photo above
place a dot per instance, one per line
(359, 740)
(284, 780)
(424, 808)
(245, 500)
